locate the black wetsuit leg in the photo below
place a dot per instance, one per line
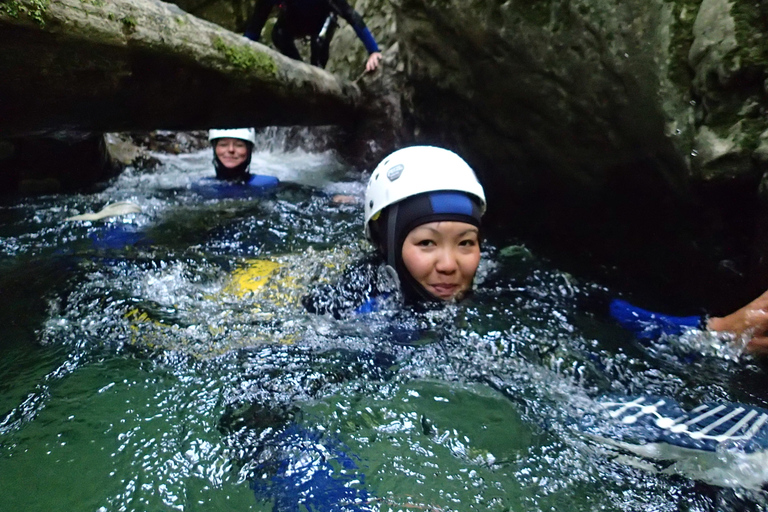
(283, 37)
(321, 43)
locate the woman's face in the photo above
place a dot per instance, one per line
(231, 152)
(443, 257)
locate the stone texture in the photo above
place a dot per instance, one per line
(145, 64)
(761, 153)
(714, 35)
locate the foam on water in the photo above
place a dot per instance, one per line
(146, 380)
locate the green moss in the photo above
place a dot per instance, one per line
(684, 13)
(34, 9)
(751, 21)
(535, 12)
(752, 129)
(747, 137)
(129, 24)
(245, 58)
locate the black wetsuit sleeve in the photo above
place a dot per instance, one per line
(358, 284)
(352, 17)
(258, 19)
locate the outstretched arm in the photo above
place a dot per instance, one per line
(361, 29)
(751, 320)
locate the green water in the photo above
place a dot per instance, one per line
(132, 381)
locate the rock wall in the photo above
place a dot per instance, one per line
(625, 133)
(72, 161)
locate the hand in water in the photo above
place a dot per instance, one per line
(373, 62)
(752, 320)
(344, 199)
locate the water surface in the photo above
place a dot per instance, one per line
(134, 377)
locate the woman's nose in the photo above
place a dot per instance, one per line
(446, 262)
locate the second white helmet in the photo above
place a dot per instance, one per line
(415, 170)
(246, 134)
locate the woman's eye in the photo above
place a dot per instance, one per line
(468, 243)
(425, 243)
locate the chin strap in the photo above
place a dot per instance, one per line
(391, 274)
(391, 233)
(410, 290)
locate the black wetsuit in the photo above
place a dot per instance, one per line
(367, 287)
(360, 285)
(314, 18)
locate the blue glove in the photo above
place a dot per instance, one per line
(371, 305)
(310, 471)
(647, 325)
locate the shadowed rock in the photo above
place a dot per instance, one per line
(141, 64)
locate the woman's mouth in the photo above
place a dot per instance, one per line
(229, 161)
(444, 290)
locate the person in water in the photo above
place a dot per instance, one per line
(423, 207)
(232, 151)
(423, 210)
(315, 19)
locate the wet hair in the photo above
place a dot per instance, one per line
(391, 228)
(237, 173)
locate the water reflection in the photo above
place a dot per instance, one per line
(161, 372)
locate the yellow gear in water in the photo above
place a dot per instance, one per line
(257, 303)
(249, 279)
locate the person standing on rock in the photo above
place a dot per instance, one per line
(314, 18)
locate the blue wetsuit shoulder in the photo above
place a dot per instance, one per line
(254, 185)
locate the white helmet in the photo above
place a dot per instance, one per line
(246, 134)
(415, 170)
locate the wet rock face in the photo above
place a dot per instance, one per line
(59, 162)
(604, 127)
(543, 87)
(728, 59)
